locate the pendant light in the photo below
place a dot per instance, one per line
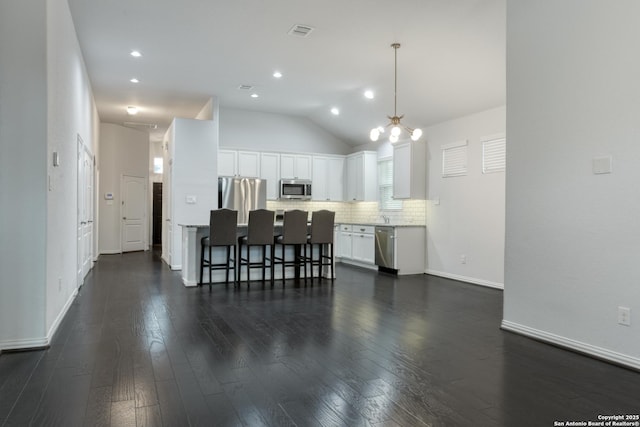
(395, 121)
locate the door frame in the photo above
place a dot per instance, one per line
(83, 150)
(145, 220)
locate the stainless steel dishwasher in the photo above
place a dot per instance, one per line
(385, 256)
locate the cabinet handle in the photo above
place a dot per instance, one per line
(362, 229)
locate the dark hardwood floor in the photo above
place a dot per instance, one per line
(139, 349)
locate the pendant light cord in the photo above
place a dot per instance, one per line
(395, 47)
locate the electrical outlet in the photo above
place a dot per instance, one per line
(463, 259)
(624, 316)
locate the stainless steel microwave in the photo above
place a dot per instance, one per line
(298, 189)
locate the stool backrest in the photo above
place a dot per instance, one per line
(294, 227)
(260, 227)
(322, 226)
(223, 227)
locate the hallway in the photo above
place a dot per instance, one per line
(137, 348)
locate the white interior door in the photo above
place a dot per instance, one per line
(87, 232)
(85, 211)
(134, 213)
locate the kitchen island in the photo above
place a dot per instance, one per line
(192, 234)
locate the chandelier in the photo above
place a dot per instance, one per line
(394, 121)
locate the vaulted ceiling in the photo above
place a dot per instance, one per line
(451, 63)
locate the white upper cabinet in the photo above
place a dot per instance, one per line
(409, 171)
(227, 162)
(362, 176)
(270, 171)
(295, 166)
(249, 164)
(328, 178)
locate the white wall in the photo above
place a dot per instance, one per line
(71, 112)
(194, 147)
(469, 220)
(45, 103)
(123, 151)
(251, 130)
(23, 172)
(573, 237)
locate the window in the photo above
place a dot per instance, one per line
(385, 186)
(157, 164)
(493, 153)
(454, 159)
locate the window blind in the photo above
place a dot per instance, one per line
(385, 186)
(494, 155)
(454, 159)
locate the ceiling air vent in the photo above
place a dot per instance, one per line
(245, 87)
(300, 30)
(141, 125)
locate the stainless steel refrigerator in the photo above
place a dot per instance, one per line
(242, 195)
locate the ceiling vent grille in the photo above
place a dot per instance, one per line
(300, 30)
(141, 125)
(245, 87)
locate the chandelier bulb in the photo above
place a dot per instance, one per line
(396, 131)
(393, 138)
(374, 134)
(416, 134)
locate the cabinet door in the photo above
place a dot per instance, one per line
(302, 167)
(319, 179)
(294, 166)
(352, 175)
(335, 179)
(287, 166)
(368, 249)
(227, 160)
(345, 245)
(270, 171)
(402, 171)
(249, 164)
(363, 248)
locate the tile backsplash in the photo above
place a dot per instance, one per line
(413, 211)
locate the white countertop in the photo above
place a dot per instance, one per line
(373, 224)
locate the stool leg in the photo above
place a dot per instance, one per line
(210, 269)
(264, 261)
(248, 264)
(239, 267)
(228, 264)
(273, 274)
(304, 261)
(332, 261)
(201, 262)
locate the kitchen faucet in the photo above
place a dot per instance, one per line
(386, 219)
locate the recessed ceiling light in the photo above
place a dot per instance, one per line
(369, 94)
(136, 54)
(335, 111)
(134, 80)
(277, 74)
(254, 95)
(131, 110)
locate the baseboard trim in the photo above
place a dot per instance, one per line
(39, 343)
(24, 344)
(574, 345)
(60, 317)
(471, 280)
(357, 263)
(189, 283)
(111, 252)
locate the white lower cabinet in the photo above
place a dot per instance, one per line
(344, 245)
(363, 244)
(357, 245)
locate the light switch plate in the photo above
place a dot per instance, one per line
(191, 200)
(602, 165)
